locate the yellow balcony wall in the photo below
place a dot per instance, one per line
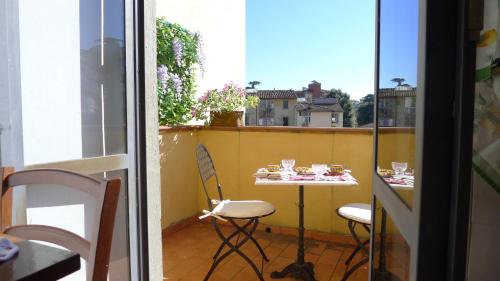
(238, 153)
(179, 178)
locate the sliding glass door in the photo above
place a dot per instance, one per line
(420, 118)
(68, 101)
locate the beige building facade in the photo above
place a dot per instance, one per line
(276, 108)
(304, 108)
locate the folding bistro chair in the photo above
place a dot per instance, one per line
(227, 210)
(356, 213)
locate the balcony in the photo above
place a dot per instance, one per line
(237, 152)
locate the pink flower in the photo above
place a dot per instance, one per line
(204, 97)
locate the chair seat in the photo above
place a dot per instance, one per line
(243, 209)
(358, 212)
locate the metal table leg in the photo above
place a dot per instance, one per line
(381, 273)
(300, 268)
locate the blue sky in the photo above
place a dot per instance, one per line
(398, 42)
(291, 42)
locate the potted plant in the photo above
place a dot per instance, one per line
(224, 107)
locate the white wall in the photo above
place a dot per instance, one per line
(222, 26)
(50, 80)
(321, 119)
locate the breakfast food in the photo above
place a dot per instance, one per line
(303, 170)
(336, 170)
(261, 173)
(386, 173)
(274, 176)
(273, 168)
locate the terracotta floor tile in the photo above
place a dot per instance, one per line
(290, 251)
(361, 274)
(187, 256)
(330, 257)
(181, 269)
(272, 252)
(198, 273)
(315, 247)
(311, 257)
(340, 268)
(323, 272)
(247, 274)
(227, 271)
(278, 264)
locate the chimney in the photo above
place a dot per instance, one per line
(315, 89)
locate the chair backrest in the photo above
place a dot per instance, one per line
(206, 168)
(95, 251)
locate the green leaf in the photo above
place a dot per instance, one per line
(175, 108)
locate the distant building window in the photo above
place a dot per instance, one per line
(334, 117)
(285, 121)
(410, 102)
(285, 104)
(304, 118)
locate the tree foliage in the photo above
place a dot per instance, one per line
(178, 54)
(398, 80)
(344, 100)
(364, 114)
(253, 84)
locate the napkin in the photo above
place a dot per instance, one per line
(7, 249)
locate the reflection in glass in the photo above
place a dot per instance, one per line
(391, 255)
(66, 71)
(102, 64)
(396, 95)
(119, 261)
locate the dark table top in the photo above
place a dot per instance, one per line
(39, 262)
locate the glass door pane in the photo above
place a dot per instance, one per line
(396, 95)
(391, 256)
(63, 78)
(102, 75)
(395, 228)
(64, 75)
(421, 130)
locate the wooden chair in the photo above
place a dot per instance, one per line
(95, 251)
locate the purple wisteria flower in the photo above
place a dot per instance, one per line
(177, 83)
(163, 76)
(177, 48)
(201, 54)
